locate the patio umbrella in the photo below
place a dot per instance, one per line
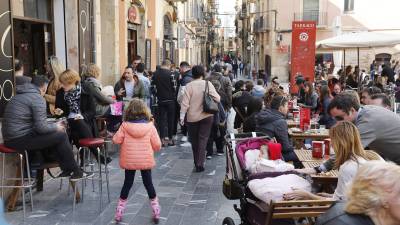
(359, 40)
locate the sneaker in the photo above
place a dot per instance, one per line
(220, 153)
(184, 139)
(120, 210)
(104, 160)
(79, 175)
(199, 169)
(171, 143)
(186, 144)
(209, 157)
(164, 142)
(156, 209)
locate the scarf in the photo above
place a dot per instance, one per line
(73, 98)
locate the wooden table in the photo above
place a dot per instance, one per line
(327, 180)
(306, 156)
(298, 138)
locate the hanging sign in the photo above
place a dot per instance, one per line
(303, 51)
(133, 15)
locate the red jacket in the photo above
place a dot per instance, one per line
(138, 142)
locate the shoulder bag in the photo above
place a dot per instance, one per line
(209, 105)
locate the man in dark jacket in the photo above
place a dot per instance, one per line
(273, 123)
(388, 72)
(20, 79)
(186, 73)
(226, 86)
(163, 80)
(25, 127)
(240, 100)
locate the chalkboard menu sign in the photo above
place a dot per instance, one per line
(6, 55)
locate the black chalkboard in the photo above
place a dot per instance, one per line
(6, 55)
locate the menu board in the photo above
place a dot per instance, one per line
(6, 55)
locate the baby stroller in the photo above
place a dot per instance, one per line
(252, 211)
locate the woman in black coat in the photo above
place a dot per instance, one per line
(79, 109)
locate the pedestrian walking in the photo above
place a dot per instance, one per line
(164, 82)
(139, 140)
(199, 122)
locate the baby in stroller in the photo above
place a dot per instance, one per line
(259, 182)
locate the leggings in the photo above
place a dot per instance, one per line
(128, 182)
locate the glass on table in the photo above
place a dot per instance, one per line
(315, 119)
(322, 128)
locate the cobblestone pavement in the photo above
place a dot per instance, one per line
(186, 198)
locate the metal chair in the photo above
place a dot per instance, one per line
(97, 143)
(22, 156)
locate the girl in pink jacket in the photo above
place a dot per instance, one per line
(138, 139)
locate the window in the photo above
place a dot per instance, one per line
(38, 9)
(348, 5)
(311, 10)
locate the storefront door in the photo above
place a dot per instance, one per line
(132, 45)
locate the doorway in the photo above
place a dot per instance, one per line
(33, 45)
(132, 45)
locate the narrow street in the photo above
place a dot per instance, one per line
(186, 198)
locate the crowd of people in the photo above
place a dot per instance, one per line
(206, 103)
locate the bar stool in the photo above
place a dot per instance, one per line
(4, 151)
(97, 143)
(102, 122)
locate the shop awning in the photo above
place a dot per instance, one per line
(359, 40)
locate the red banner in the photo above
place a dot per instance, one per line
(303, 51)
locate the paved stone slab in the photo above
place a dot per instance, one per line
(186, 198)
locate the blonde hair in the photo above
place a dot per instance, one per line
(346, 143)
(92, 71)
(57, 67)
(69, 76)
(137, 109)
(373, 184)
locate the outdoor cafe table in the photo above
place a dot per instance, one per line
(299, 137)
(292, 123)
(327, 180)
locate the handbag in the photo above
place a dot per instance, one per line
(232, 189)
(231, 186)
(209, 105)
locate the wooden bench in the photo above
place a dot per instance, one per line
(309, 209)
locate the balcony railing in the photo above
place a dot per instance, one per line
(261, 24)
(312, 15)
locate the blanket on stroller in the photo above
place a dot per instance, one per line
(273, 188)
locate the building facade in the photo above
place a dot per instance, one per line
(272, 24)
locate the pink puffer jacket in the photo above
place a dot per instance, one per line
(138, 142)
